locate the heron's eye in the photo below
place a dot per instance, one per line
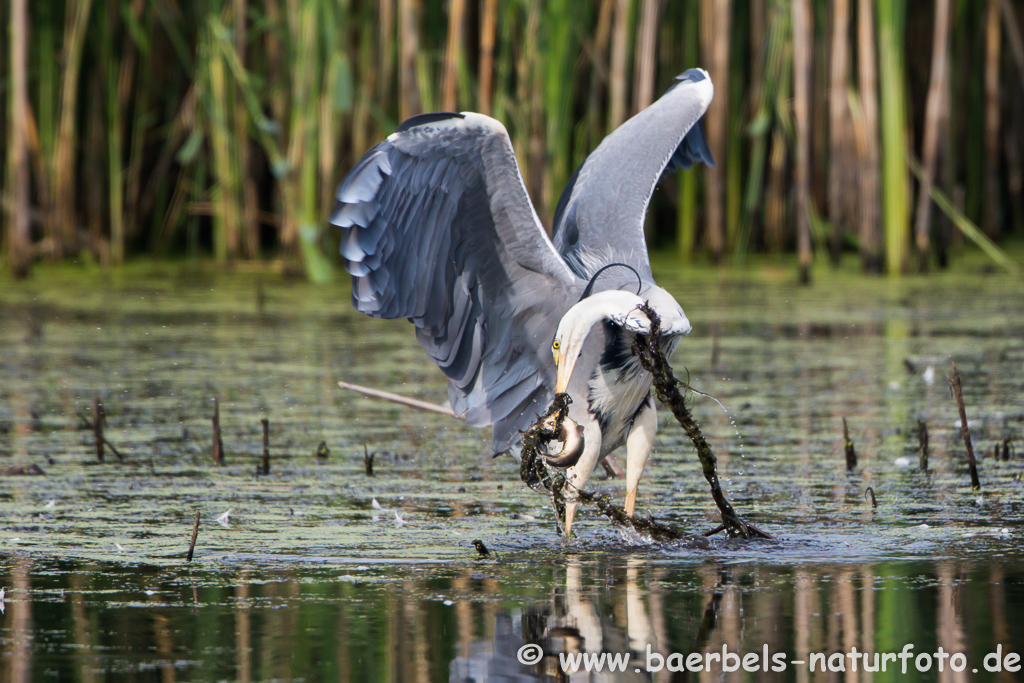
(555, 345)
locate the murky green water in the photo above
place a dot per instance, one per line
(307, 579)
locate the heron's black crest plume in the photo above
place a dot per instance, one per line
(593, 279)
(423, 119)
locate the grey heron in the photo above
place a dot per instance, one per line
(437, 227)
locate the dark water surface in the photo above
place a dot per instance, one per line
(321, 573)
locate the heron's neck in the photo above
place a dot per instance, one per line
(608, 305)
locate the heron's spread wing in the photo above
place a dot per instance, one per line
(599, 218)
(437, 227)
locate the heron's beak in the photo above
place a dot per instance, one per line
(565, 363)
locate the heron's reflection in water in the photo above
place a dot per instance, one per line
(614, 614)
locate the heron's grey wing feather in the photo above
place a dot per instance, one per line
(600, 216)
(437, 227)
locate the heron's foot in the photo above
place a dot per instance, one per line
(630, 502)
(570, 514)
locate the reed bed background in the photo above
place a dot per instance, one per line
(888, 130)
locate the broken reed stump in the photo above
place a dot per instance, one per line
(264, 468)
(922, 441)
(96, 424)
(666, 386)
(1003, 450)
(964, 429)
(192, 543)
(368, 460)
(99, 417)
(218, 442)
(851, 452)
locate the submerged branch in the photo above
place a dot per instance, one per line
(545, 430)
(666, 386)
(649, 527)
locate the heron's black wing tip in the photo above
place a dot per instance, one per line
(692, 149)
(691, 76)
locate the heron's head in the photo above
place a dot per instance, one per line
(617, 306)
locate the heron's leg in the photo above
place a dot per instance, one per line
(576, 477)
(639, 442)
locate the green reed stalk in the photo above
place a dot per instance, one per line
(64, 219)
(243, 140)
(803, 41)
(334, 105)
(48, 78)
(686, 217)
(715, 38)
(866, 127)
(934, 121)
(225, 207)
(559, 51)
(488, 30)
(774, 64)
(735, 147)
(16, 195)
(114, 133)
(408, 54)
(895, 194)
(367, 69)
(504, 63)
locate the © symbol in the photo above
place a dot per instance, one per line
(530, 654)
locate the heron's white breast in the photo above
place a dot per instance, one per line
(617, 392)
